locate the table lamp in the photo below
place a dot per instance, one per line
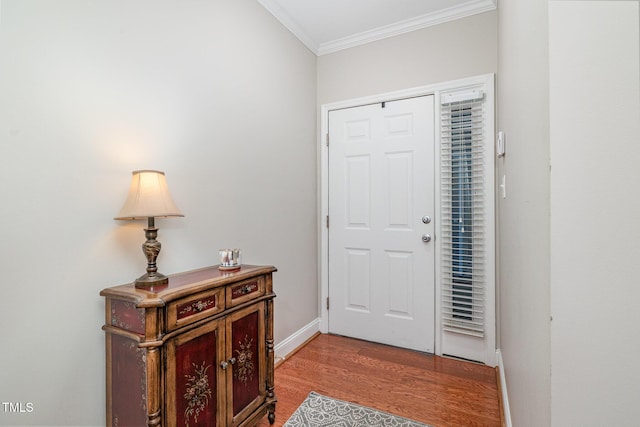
(149, 198)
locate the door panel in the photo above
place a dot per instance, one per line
(401, 269)
(246, 349)
(358, 284)
(193, 384)
(381, 183)
(358, 173)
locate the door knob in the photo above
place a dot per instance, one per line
(426, 238)
(426, 219)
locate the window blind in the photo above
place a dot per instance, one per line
(463, 216)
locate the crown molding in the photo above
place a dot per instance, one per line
(281, 15)
(464, 10)
(472, 7)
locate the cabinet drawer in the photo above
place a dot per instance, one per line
(245, 291)
(194, 307)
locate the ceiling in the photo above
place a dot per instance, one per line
(327, 26)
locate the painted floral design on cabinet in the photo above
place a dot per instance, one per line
(194, 307)
(125, 315)
(197, 392)
(244, 359)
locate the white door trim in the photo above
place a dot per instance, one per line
(323, 241)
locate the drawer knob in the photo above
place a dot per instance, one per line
(246, 289)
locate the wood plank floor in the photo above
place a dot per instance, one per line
(430, 389)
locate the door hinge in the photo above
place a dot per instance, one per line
(327, 221)
(327, 303)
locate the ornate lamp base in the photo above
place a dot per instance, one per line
(151, 248)
(151, 280)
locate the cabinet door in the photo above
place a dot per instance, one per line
(194, 379)
(246, 350)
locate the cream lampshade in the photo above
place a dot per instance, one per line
(149, 198)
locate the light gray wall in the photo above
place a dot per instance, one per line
(215, 93)
(569, 97)
(595, 212)
(523, 224)
(450, 51)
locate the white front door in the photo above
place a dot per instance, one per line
(381, 215)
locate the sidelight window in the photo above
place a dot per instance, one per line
(463, 204)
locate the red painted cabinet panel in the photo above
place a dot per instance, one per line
(193, 388)
(130, 386)
(247, 384)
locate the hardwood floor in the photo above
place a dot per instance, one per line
(426, 388)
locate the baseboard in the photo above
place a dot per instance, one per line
(287, 347)
(502, 394)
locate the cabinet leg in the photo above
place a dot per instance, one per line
(272, 413)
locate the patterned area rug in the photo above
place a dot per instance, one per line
(320, 411)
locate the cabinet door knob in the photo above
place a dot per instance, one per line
(224, 364)
(232, 361)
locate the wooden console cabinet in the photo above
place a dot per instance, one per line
(197, 351)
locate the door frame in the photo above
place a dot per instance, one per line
(486, 80)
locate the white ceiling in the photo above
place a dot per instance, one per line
(326, 26)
